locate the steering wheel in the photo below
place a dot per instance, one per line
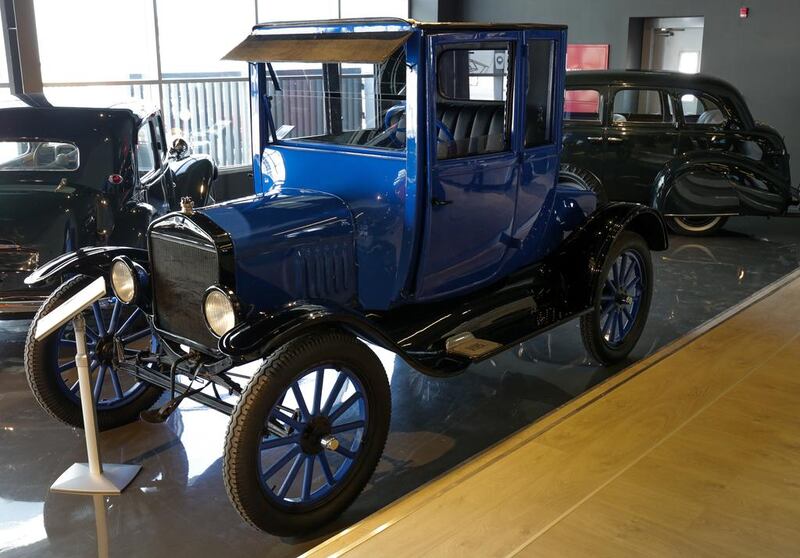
(393, 129)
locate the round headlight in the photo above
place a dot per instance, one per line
(123, 281)
(219, 310)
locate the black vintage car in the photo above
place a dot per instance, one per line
(685, 144)
(72, 178)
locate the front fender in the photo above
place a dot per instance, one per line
(94, 261)
(719, 184)
(583, 254)
(193, 177)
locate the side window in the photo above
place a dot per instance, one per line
(539, 96)
(144, 150)
(701, 110)
(582, 105)
(472, 105)
(640, 106)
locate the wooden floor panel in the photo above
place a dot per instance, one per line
(699, 454)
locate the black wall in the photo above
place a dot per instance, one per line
(760, 54)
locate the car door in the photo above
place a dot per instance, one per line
(584, 132)
(641, 138)
(473, 161)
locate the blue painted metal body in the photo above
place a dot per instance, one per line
(314, 198)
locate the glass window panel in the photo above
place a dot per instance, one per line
(194, 36)
(539, 96)
(38, 156)
(3, 62)
(145, 159)
(702, 110)
(582, 104)
(212, 116)
(273, 10)
(371, 8)
(473, 75)
(639, 105)
(97, 40)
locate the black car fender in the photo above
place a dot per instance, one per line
(583, 254)
(193, 176)
(703, 183)
(93, 261)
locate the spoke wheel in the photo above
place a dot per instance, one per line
(307, 433)
(110, 326)
(622, 301)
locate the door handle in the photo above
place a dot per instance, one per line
(436, 202)
(595, 139)
(614, 139)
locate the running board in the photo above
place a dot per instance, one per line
(466, 344)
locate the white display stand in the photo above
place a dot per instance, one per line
(93, 477)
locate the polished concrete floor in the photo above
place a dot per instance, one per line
(178, 506)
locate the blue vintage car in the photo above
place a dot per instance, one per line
(408, 194)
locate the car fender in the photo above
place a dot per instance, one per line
(193, 176)
(93, 261)
(703, 183)
(583, 254)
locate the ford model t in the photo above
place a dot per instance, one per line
(409, 195)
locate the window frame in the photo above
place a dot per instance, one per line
(664, 98)
(461, 41)
(550, 123)
(157, 162)
(601, 91)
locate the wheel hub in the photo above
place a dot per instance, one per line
(311, 439)
(624, 299)
(104, 350)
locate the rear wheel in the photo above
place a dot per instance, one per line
(50, 362)
(622, 300)
(307, 433)
(696, 226)
(572, 174)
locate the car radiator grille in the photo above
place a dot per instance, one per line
(182, 269)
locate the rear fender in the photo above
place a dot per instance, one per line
(719, 184)
(583, 254)
(94, 261)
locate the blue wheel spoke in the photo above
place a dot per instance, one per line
(636, 280)
(620, 326)
(344, 407)
(98, 318)
(627, 313)
(98, 386)
(341, 450)
(326, 469)
(69, 365)
(301, 401)
(337, 387)
(114, 316)
(66, 342)
(136, 336)
(91, 335)
(347, 426)
(606, 325)
(127, 323)
(278, 415)
(278, 441)
(606, 309)
(318, 390)
(115, 382)
(290, 476)
(74, 387)
(279, 464)
(308, 477)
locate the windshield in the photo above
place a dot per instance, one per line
(342, 103)
(20, 155)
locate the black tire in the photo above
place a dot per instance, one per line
(44, 381)
(594, 339)
(241, 461)
(696, 226)
(576, 175)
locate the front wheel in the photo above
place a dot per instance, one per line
(307, 433)
(622, 300)
(695, 226)
(50, 362)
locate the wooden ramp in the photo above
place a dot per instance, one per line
(693, 452)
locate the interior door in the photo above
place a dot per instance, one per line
(641, 138)
(474, 162)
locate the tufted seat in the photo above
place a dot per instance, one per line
(477, 129)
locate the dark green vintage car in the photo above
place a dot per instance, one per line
(686, 145)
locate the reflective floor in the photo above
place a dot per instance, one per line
(177, 506)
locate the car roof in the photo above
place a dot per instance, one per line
(136, 109)
(397, 24)
(667, 80)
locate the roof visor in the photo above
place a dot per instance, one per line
(332, 42)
